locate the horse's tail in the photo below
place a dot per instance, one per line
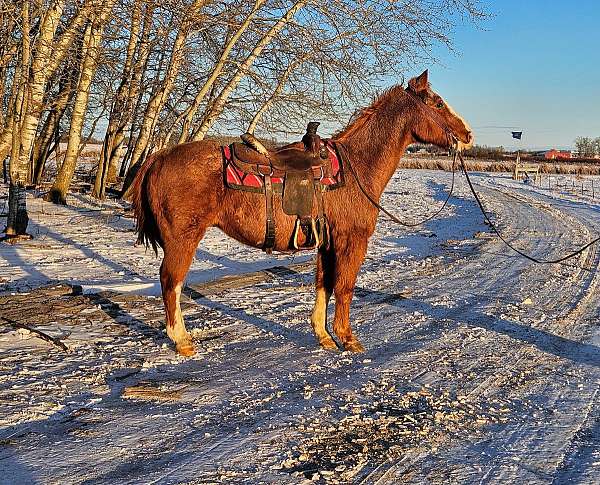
(146, 227)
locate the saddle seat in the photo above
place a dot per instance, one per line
(291, 159)
(278, 162)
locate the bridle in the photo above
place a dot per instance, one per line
(453, 142)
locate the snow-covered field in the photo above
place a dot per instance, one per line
(480, 366)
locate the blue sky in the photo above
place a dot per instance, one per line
(534, 66)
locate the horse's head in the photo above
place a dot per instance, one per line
(436, 121)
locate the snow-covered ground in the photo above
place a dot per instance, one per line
(480, 366)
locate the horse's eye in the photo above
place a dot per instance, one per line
(440, 105)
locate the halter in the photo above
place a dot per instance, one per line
(434, 116)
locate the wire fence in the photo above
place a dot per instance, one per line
(573, 185)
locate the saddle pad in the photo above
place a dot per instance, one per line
(236, 178)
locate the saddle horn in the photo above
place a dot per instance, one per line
(312, 141)
(251, 140)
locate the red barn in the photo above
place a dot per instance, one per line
(557, 155)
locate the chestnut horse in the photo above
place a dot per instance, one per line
(179, 192)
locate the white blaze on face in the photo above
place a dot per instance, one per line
(461, 145)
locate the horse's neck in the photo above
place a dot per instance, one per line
(375, 154)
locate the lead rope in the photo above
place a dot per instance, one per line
(497, 232)
(346, 158)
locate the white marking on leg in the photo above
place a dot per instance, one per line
(319, 314)
(178, 333)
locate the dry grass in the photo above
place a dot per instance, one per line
(445, 164)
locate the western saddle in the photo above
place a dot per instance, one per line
(301, 167)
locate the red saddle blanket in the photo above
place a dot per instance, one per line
(237, 178)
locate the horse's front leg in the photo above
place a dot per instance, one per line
(324, 279)
(349, 256)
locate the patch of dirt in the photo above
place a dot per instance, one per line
(381, 425)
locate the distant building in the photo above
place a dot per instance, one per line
(557, 154)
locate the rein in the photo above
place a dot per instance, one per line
(346, 158)
(457, 156)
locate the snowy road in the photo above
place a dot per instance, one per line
(480, 366)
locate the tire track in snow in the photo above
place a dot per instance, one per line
(524, 358)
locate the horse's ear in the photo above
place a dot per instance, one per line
(420, 83)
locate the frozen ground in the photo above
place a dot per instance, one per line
(480, 367)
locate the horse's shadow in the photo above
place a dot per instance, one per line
(577, 352)
(105, 302)
(423, 241)
(12, 472)
(268, 326)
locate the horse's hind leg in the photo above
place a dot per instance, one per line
(175, 265)
(324, 289)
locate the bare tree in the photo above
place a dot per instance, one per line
(159, 97)
(177, 70)
(276, 93)
(219, 103)
(217, 70)
(17, 221)
(91, 47)
(585, 147)
(122, 101)
(38, 62)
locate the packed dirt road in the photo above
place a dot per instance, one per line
(480, 367)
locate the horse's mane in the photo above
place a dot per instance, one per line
(363, 115)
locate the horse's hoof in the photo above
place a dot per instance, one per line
(186, 349)
(354, 346)
(328, 344)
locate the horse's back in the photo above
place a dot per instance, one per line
(195, 155)
(184, 182)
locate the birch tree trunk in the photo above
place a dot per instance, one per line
(216, 72)
(18, 220)
(135, 95)
(157, 101)
(154, 106)
(41, 148)
(37, 85)
(7, 131)
(92, 38)
(6, 136)
(118, 108)
(278, 90)
(217, 107)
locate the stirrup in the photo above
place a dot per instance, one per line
(315, 233)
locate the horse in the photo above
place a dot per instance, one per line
(180, 191)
